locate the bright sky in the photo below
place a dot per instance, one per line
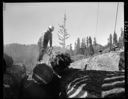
(24, 22)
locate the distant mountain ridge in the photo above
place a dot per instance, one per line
(26, 54)
(21, 53)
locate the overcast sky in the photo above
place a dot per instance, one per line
(24, 22)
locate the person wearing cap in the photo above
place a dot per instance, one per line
(44, 40)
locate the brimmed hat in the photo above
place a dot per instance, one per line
(42, 73)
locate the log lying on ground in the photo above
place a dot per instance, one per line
(107, 61)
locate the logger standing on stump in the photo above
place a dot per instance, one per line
(43, 42)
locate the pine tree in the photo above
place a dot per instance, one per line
(87, 41)
(94, 42)
(75, 48)
(71, 51)
(121, 38)
(62, 33)
(115, 39)
(87, 47)
(91, 50)
(83, 46)
(110, 41)
(78, 46)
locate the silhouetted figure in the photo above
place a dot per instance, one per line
(12, 79)
(44, 84)
(44, 40)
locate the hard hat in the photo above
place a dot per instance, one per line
(51, 27)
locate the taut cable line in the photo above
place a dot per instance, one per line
(97, 17)
(116, 17)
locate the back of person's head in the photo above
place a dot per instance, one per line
(42, 73)
(61, 62)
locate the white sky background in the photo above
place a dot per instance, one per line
(24, 22)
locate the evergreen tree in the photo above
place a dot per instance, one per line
(78, 46)
(115, 39)
(71, 51)
(94, 42)
(91, 50)
(87, 41)
(63, 35)
(75, 48)
(110, 41)
(83, 46)
(121, 38)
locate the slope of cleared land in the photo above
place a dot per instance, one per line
(106, 61)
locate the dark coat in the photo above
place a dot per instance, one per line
(32, 90)
(45, 39)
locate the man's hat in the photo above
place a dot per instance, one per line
(42, 73)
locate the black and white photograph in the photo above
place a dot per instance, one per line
(63, 50)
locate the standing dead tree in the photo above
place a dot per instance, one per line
(62, 33)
